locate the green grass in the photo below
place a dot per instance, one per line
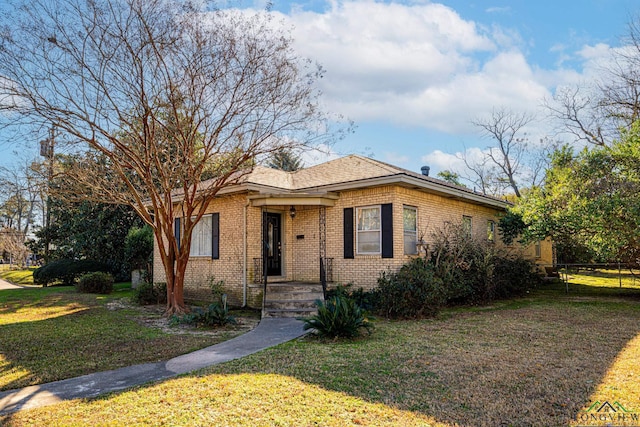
(540, 360)
(18, 277)
(54, 333)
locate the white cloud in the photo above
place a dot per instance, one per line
(497, 9)
(440, 161)
(413, 64)
(422, 65)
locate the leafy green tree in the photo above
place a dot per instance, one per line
(138, 248)
(285, 160)
(452, 177)
(87, 230)
(590, 199)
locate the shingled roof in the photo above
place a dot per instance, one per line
(352, 172)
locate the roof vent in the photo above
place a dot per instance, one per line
(425, 170)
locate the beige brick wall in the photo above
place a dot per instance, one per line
(301, 244)
(432, 211)
(229, 267)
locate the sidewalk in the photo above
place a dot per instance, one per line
(6, 285)
(268, 333)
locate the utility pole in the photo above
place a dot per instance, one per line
(47, 151)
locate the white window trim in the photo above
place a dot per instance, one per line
(208, 236)
(414, 232)
(358, 231)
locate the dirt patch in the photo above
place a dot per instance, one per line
(152, 316)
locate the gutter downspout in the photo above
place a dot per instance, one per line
(244, 254)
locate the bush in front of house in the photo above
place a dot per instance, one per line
(338, 317)
(413, 291)
(366, 300)
(514, 276)
(464, 264)
(67, 271)
(95, 283)
(148, 293)
(460, 270)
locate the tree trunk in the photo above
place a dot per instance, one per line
(175, 270)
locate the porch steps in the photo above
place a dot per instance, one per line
(291, 299)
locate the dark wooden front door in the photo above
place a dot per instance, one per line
(273, 243)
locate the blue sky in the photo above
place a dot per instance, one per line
(413, 75)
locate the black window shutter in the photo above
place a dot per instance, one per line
(386, 214)
(215, 236)
(176, 230)
(348, 233)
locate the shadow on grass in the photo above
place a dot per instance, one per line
(538, 362)
(12, 300)
(49, 336)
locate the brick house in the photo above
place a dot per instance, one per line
(343, 221)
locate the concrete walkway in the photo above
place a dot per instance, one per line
(6, 285)
(268, 333)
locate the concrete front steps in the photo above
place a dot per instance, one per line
(291, 299)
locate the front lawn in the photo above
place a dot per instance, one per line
(18, 277)
(542, 360)
(48, 334)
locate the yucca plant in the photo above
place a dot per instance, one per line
(339, 316)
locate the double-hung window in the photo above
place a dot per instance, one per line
(410, 228)
(368, 230)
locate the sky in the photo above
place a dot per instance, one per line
(413, 75)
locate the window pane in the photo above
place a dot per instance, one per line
(491, 228)
(368, 230)
(410, 225)
(369, 242)
(466, 225)
(409, 216)
(410, 241)
(369, 219)
(201, 237)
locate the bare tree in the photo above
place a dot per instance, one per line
(596, 112)
(482, 173)
(505, 128)
(579, 116)
(21, 196)
(154, 95)
(12, 243)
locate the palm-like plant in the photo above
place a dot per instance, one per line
(339, 316)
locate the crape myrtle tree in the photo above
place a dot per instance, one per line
(154, 96)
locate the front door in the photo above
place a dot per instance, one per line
(273, 248)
